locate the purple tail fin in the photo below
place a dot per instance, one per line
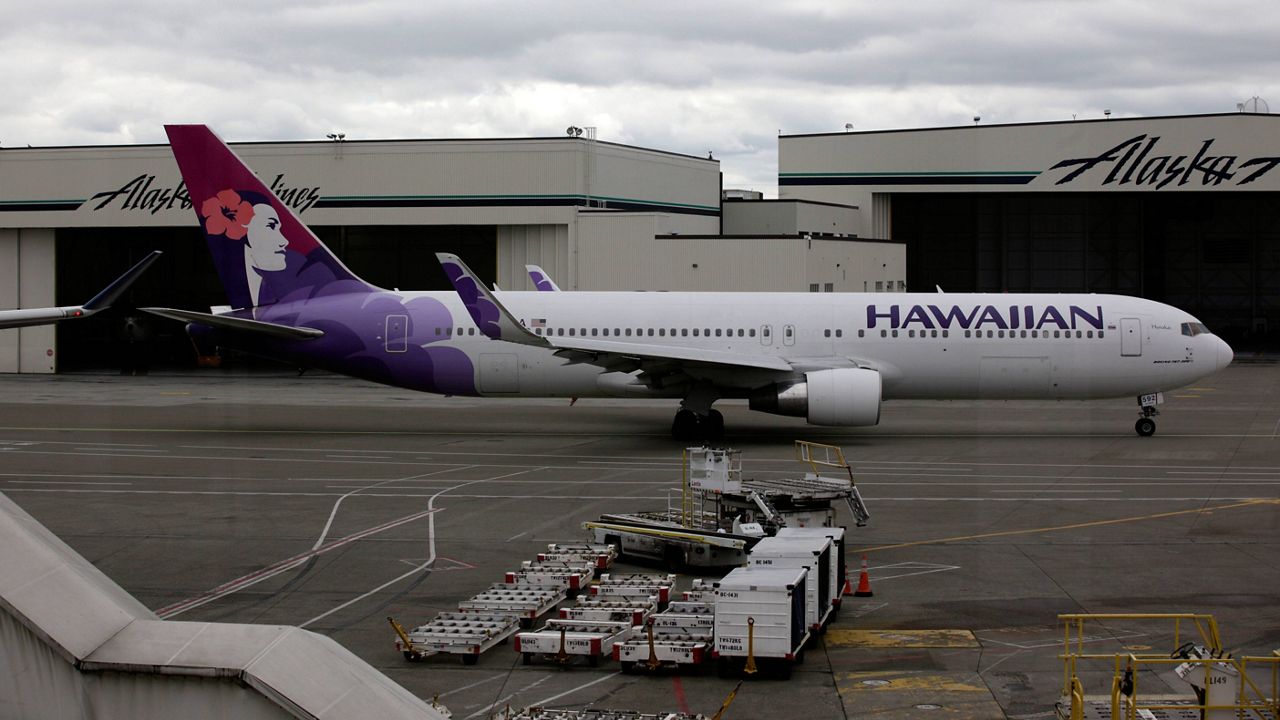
(263, 252)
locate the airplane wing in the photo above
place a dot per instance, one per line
(541, 279)
(103, 300)
(659, 365)
(230, 322)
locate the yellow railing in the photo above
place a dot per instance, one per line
(817, 455)
(1202, 630)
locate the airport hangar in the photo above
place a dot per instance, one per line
(595, 215)
(1184, 210)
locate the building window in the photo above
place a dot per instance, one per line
(813, 287)
(829, 287)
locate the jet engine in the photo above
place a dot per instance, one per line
(842, 396)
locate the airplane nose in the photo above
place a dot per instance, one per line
(1225, 353)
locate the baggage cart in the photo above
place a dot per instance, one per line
(527, 602)
(455, 633)
(562, 640)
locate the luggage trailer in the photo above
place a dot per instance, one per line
(526, 602)
(683, 636)
(604, 608)
(455, 633)
(562, 640)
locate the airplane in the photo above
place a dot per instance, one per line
(27, 317)
(831, 358)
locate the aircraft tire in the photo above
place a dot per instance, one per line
(1145, 427)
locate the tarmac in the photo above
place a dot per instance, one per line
(330, 503)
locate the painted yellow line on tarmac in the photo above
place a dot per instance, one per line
(843, 637)
(911, 695)
(907, 680)
(1075, 526)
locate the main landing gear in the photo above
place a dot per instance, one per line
(1146, 425)
(689, 425)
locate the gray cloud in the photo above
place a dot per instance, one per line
(720, 76)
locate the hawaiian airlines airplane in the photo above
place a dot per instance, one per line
(831, 358)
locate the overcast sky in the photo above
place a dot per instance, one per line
(692, 77)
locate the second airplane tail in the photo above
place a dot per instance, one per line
(263, 252)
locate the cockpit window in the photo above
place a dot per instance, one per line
(1191, 329)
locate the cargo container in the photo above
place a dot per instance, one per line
(814, 554)
(760, 612)
(839, 569)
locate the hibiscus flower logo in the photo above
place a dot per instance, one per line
(227, 214)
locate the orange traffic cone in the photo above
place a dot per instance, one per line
(864, 581)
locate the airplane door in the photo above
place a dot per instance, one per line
(766, 334)
(1130, 337)
(499, 373)
(396, 336)
(789, 335)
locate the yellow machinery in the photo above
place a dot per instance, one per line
(1225, 687)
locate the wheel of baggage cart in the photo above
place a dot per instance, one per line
(470, 659)
(527, 658)
(593, 660)
(411, 656)
(627, 665)
(722, 667)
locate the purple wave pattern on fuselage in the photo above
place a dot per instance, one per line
(483, 313)
(355, 341)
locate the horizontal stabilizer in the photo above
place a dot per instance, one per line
(230, 322)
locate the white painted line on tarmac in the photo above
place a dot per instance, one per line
(65, 482)
(271, 571)
(1052, 490)
(431, 557)
(478, 683)
(334, 512)
(502, 700)
(120, 449)
(571, 498)
(584, 686)
(910, 569)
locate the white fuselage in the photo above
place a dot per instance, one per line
(942, 346)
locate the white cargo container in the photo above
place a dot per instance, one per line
(812, 553)
(762, 611)
(840, 568)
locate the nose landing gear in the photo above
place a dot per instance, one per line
(1146, 425)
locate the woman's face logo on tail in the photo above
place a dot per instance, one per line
(266, 243)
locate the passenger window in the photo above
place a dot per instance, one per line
(741, 332)
(1099, 334)
(966, 333)
(437, 332)
(717, 332)
(1057, 333)
(662, 332)
(911, 333)
(1034, 334)
(1079, 334)
(1000, 333)
(650, 332)
(537, 331)
(826, 333)
(883, 333)
(628, 332)
(684, 332)
(1024, 333)
(595, 332)
(861, 333)
(751, 332)
(933, 333)
(571, 332)
(990, 333)
(1089, 334)
(695, 332)
(946, 333)
(895, 333)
